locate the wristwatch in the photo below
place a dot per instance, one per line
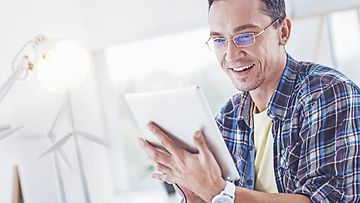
(227, 195)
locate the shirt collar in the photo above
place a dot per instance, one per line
(279, 102)
(278, 105)
(245, 108)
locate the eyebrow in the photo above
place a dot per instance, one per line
(237, 29)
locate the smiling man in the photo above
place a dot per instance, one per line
(293, 130)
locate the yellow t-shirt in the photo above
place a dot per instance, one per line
(264, 158)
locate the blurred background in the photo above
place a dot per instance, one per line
(135, 46)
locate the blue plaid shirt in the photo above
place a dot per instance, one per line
(315, 114)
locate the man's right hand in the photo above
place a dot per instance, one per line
(190, 196)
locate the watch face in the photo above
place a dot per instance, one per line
(223, 199)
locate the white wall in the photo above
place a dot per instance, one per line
(35, 109)
(94, 24)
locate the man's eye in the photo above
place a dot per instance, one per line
(219, 40)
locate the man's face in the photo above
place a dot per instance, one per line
(231, 17)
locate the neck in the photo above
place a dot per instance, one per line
(262, 95)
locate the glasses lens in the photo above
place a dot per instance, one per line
(244, 40)
(216, 44)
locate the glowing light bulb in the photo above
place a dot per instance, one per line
(63, 66)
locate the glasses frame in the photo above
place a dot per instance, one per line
(233, 38)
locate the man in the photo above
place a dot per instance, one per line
(294, 130)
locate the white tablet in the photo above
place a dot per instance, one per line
(181, 112)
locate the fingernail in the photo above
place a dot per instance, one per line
(141, 141)
(155, 174)
(150, 126)
(197, 134)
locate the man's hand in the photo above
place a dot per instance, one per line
(199, 173)
(188, 195)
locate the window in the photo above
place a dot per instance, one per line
(346, 38)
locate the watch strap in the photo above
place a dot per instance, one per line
(229, 189)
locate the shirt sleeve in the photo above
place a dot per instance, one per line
(330, 156)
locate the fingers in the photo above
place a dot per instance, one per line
(200, 142)
(179, 190)
(162, 168)
(155, 154)
(162, 177)
(168, 143)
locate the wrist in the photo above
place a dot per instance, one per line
(216, 189)
(227, 195)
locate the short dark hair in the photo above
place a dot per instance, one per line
(275, 9)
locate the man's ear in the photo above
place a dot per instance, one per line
(284, 31)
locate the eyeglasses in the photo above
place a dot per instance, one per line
(240, 40)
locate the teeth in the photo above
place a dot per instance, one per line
(242, 68)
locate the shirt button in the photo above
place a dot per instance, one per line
(249, 182)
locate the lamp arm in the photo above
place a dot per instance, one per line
(24, 61)
(4, 127)
(23, 66)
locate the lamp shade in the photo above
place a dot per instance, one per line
(62, 66)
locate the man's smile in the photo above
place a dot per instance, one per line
(242, 68)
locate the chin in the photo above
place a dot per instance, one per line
(247, 87)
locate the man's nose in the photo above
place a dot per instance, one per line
(233, 52)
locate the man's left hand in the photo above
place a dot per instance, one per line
(200, 172)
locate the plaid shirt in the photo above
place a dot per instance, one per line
(315, 114)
